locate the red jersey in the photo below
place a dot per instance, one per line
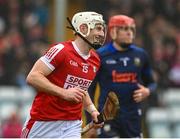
(70, 68)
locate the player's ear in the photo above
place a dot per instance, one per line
(83, 28)
(113, 33)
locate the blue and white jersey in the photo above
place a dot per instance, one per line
(121, 71)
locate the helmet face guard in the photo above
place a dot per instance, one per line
(91, 19)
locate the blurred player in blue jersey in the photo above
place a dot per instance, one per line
(125, 69)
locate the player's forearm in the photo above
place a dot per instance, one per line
(87, 101)
(88, 104)
(40, 82)
(149, 82)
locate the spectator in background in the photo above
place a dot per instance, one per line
(21, 26)
(11, 128)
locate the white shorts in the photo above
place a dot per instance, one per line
(52, 129)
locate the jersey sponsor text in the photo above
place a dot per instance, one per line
(124, 77)
(72, 81)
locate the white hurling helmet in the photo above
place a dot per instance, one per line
(89, 18)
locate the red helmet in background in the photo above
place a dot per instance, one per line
(121, 20)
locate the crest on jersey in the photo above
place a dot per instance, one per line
(124, 60)
(137, 61)
(85, 67)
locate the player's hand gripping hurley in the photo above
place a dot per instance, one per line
(109, 112)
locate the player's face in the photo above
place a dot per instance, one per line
(97, 35)
(124, 34)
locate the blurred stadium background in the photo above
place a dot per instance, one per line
(27, 27)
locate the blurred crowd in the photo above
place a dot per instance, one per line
(158, 31)
(23, 38)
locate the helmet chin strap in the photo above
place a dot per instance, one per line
(95, 46)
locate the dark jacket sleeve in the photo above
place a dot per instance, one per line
(147, 75)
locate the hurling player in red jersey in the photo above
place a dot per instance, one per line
(62, 77)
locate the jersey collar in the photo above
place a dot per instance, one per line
(79, 52)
